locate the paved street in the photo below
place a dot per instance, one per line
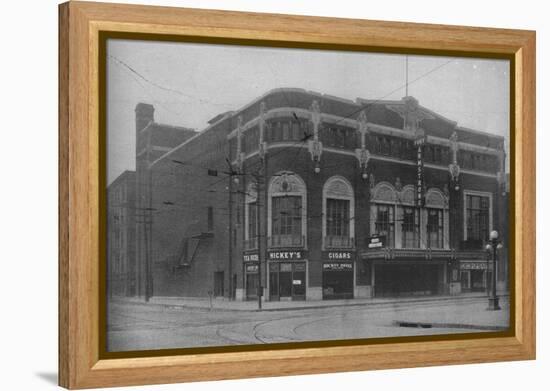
(137, 326)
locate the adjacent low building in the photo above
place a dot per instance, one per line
(121, 235)
(316, 197)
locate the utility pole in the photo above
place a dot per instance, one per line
(230, 245)
(260, 247)
(263, 237)
(406, 75)
(148, 223)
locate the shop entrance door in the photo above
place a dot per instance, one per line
(465, 280)
(299, 281)
(287, 281)
(251, 280)
(251, 286)
(478, 283)
(274, 282)
(218, 284)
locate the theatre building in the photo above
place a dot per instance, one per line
(316, 197)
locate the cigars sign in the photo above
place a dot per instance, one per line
(338, 255)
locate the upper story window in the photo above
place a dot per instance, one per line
(410, 228)
(338, 206)
(337, 217)
(210, 219)
(287, 215)
(436, 223)
(287, 129)
(477, 216)
(383, 201)
(286, 211)
(251, 218)
(338, 136)
(435, 154)
(392, 146)
(476, 161)
(384, 223)
(434, 228)
(250, 140)
(232, 148)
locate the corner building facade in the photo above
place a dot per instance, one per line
(315, 197)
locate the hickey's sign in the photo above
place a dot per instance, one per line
(285, 255)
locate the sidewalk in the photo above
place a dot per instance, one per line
(227, 305)
(473, 316)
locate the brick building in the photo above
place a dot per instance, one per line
(317, 197)
(153, 140)
(121, 239)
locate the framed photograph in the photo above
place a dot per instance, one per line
(246, 195)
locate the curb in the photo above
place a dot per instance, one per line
(429, 325)
(380, 303)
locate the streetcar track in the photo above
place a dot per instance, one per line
(220, 328)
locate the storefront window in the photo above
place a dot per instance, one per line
(410, 228)
(384, 225)
(435, 228)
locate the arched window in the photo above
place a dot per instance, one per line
(436, 217)
(409, 216)
(286, 211)
(384, 198)
(338, 213)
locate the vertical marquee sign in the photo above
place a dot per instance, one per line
(419, 143)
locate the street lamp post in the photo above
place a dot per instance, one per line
(494, 245)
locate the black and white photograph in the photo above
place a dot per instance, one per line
(267, 195)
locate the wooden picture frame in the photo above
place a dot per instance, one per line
(81, 163)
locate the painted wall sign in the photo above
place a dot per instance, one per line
(286, 255)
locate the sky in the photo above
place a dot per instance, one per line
(188, 84)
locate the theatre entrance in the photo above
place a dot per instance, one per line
(410, 279)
